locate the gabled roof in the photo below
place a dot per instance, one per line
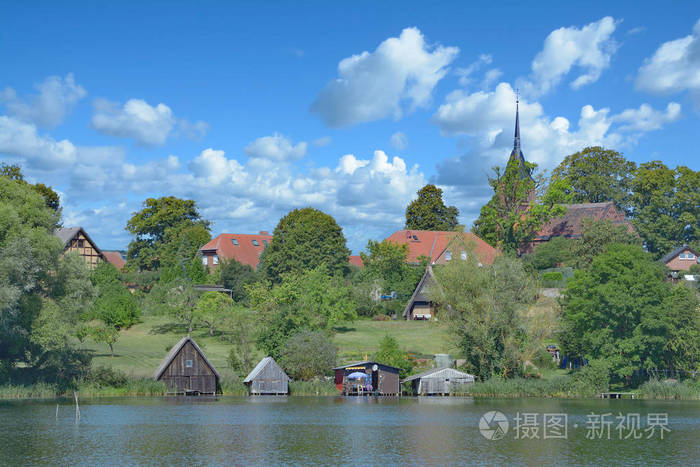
(445, 372)
(419, 294)
(259, 367)
(174, 351)
(677, 252)
(66, 234)
(244, 249)
(115, 258)
(356, 260)
(569, 225)
(433, 243)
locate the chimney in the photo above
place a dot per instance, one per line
(408, 234)
(264, 232)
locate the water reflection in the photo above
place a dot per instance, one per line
(322, 431)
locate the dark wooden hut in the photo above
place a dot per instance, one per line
(438, 381)
(367, 378)
(267, 378)
(186, 370)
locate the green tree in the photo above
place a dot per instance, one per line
(428, 211)
(242, 326)
(313, 301)
(512, 216)
(236, 276)
(597, 175)
(595, 236)
(106, 334)
(212, 309)
(166, 229)
(304, 239)
(389, 353)
(308, 354)
(666, 207)
(182, 301)
(14, 172)
(622, 310)
(484, 308)
(115, 306)
(554, 253)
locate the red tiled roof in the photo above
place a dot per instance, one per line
(433, 244)
(356, 260)
(115, 258)
(245, 251)
(569, 225)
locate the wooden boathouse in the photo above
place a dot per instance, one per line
(367, 378)
(267, 378)
(438, 381)
(186, 370)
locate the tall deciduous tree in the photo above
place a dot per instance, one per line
(305, 239)
(212, 310)
(597, 175)
(390, 353)
(595, 237)
(666, 207)
(428, 211)
(623, 310)
(512, 217)
(308, 354)
(14, 172)
(166, 229)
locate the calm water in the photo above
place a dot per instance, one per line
(337, 431)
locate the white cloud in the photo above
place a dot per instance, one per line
(276, 147)
(371, 86)
(465, 74)
(322, 141)
(147, 125)
(57, 96)
(589, 48)
(20, 139)
(645, 118)
(674, 67)
(399, 140)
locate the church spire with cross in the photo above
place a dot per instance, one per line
(516, 156)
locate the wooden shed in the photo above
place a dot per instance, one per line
(438, 381)
(267, 378)
(186, 370)
(368, 378)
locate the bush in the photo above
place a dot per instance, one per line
(593, 378)
(382, 318)
(106, 376)
(308, 354)
(552, 276)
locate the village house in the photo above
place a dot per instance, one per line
(681, 259)
(244, 248)
(76, 239)
(186, 370)
(438, 381)
(437, 248)
(116, 258)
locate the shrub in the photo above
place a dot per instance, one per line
(106, 376)
(592, 378)
(308, 354)
(315, 387)
(552, 276)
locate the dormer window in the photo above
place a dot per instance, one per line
(256, 243)
(234, 241)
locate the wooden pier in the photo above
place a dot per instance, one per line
(616, 395)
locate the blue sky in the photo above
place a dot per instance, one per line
(253, 109)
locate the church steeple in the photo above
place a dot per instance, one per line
(516, 156)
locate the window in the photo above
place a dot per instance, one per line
(215, 259)
(463, 255)
(448, 255)
(204, 260)
(81, 243)
(188, 363)
(256, 243)
(234, 241)
(265, 242)
(689, 256)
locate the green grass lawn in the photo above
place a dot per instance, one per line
(418, 337)
(141, 348)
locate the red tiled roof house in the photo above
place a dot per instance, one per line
(244, 248)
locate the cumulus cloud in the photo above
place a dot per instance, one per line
(466, 74)
(276, 148)
(372, 86)
(399, 140)
(57, 96)
(147, 125)
(645, 118)
(589, 49)
(674, 67)
(20, 139)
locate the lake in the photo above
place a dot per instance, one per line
(349, 431)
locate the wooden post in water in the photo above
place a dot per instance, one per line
(56, 411)
(77, 408)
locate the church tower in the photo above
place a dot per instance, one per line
(517, 159)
